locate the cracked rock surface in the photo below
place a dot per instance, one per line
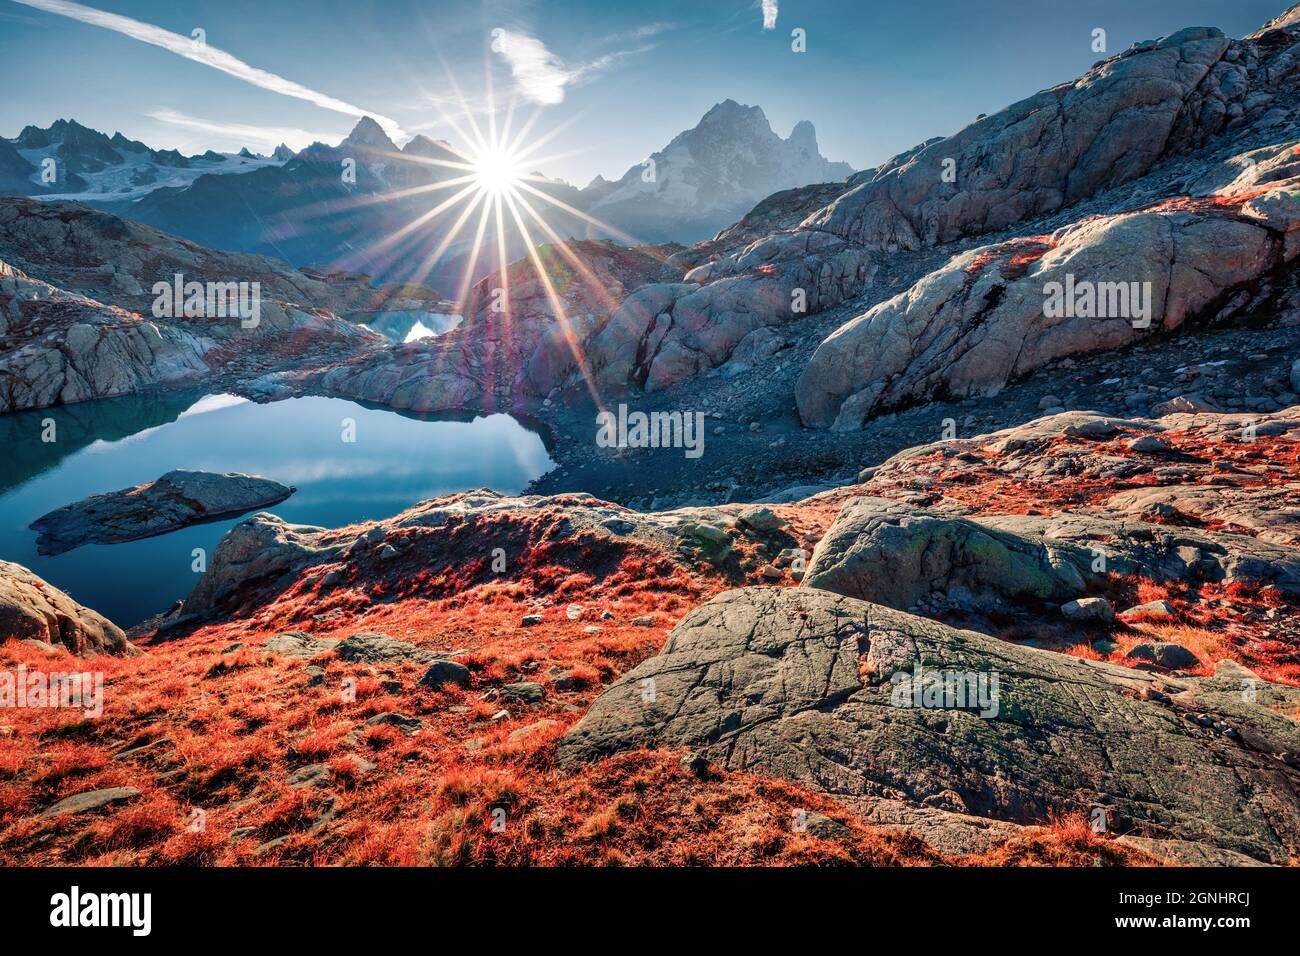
(895, 554)
(797, 682)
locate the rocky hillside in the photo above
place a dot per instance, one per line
(381, 693)
(88, 328)
(1168, 207)
(1158, 185)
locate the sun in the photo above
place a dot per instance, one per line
(496, 171)
(489, 184)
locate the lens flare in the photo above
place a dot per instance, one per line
(485, 185)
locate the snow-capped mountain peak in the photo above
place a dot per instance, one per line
(70, 161)
(712, 174)
(369, 135)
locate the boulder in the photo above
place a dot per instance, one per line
(1158, 610)
(33, 609)
(380, 648)
(298, 645)
(822, 689)
(403, 722)
(995, 313)
(1162, 654)
(895, 554)
(1148, 445)
(1089, 610)
(176, 500)
(524, 692)
(758, 345)
(1182, 404)
(442, 672)
(312, 775)
(762, 520)
(90, 800)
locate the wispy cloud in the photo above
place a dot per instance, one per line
(601, 63)
(640, 33)
(207, 55)
(244, 134)
(539, 74)
(542, 77)
(769, 14)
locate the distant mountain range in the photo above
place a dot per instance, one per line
(71, 161)
(710, 176)
(298, 206)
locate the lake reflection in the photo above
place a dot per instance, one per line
(395, 461)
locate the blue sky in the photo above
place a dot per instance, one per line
(615, 78)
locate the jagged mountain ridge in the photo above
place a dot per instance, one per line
(88, 164)
(711, 175)
(300, 208)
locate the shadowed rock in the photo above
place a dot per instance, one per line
(894, 554)
(111, 337)
(614, 316)
(60, 347)
(1163, 654)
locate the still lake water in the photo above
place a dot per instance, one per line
(395, 461)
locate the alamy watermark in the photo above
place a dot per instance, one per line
(133, 911)
(652, 430)
(946, 690)
(1098, 300)
(82, 691)
(208, 300)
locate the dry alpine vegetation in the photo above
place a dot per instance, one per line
(477, 691)
(562, 679)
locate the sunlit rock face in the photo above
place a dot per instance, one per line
(31, 609)
(997, 312)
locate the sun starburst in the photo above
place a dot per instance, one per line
(496, 171)
(490, 185)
